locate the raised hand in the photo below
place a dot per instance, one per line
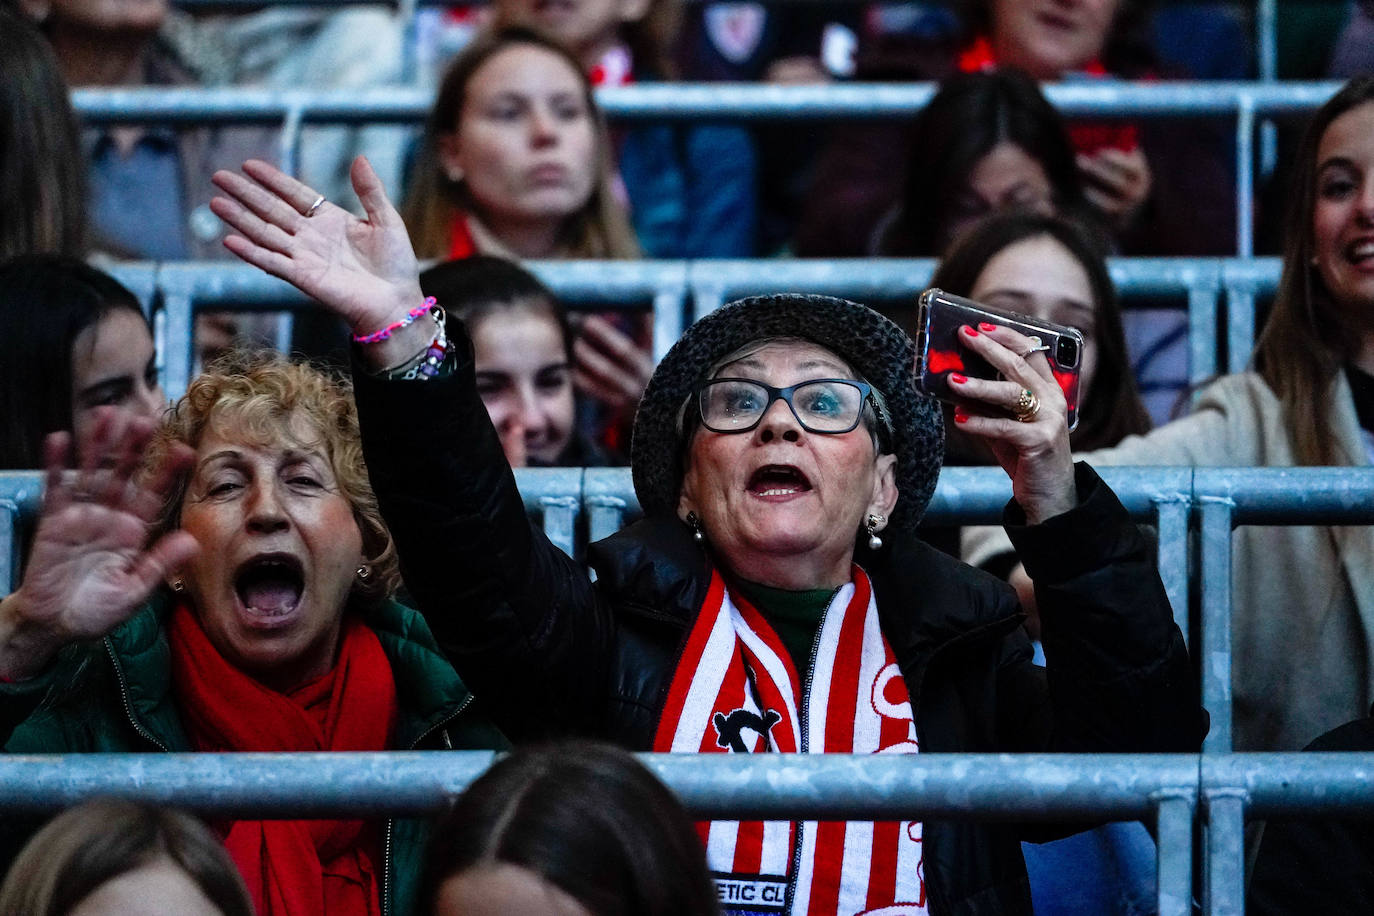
(90, 566)
(1117, 182)
(609, 365)
(1035, 451)
(364, 270)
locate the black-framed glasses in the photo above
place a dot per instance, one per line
(824, 405)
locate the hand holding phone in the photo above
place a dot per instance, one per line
(940, 352)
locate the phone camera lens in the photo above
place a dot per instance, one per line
(1066, 353)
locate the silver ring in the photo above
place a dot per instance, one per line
(1039, 348)
(319, 202)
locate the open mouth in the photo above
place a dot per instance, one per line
(269, 586)
(1361, 253)
(778, 480)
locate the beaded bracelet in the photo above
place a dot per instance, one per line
(377, 336)
(429, 361)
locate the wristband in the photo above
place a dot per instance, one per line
(377, 336)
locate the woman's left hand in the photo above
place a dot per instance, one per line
(1034, 451)
(1117, 182)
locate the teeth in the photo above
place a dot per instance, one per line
(1363, 250)
(779, 491)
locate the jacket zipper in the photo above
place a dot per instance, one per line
(804, 745)
(391, 821)
(128, 705)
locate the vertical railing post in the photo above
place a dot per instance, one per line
(1174, 857)
(1203, 292)
(290, 144)
(1245, 177)
(1172, 519)
(1224, 882)
(1215, 637)
(560, 521)
(9, 547)
(178, 326)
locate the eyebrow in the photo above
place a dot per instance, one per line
(749, 362)
(1343, 162)
(1021, 296)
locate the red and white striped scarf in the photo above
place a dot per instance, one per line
(736, 691)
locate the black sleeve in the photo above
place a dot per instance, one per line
(518, 618)
(1120, 680)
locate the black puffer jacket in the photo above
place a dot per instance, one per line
(550, 653)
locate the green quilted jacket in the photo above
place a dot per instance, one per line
(116, 695)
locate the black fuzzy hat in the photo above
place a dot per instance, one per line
(871, 344)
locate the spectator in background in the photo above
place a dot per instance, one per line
(1300, 592)
(1354, 51)
(1054, 269)
(578, 829)
(358, 47)
(515, 164)
(1189, 210)
(515, 161)
(523, 353)
(690, 186)
(149, 186)
(119, 857)
(986, 143)
(72, 340)
(42, 178)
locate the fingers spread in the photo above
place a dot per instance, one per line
(266, 204)
(299, 196)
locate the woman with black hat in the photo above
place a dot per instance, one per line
(773, 598)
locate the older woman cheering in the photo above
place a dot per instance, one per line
(773, 598)
(277, 632)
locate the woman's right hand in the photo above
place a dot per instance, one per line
(363, 270)
(89, 568)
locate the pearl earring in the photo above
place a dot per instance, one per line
(874, 521)
(694, 523)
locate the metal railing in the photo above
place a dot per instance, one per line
(1219, 787)
(681, 291)
(1245, 102)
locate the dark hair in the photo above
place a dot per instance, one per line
(42, 172)
(475, 288)
(600, 229)
(46, 301)
(1128, 51)
(89, 845)
(970, 115)
(1308, 336)
(1113, 409)
(587, 818)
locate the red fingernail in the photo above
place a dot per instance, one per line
(960, 415)
(987, 326)
(970, 331)
(957, 379)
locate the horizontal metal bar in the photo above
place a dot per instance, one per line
(805, 786)
(691, 101)
(1316, 783)
(1291, 496)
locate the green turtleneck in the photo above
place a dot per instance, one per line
(795, 615)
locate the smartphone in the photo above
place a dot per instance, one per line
(939, 352)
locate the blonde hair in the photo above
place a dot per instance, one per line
(90, 845)
(255, 395)
(599, 229)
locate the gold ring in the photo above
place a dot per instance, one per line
(319, 202)
(1026, 406)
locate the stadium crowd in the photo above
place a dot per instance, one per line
(328, 541)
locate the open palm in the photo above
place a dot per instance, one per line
(364, 270)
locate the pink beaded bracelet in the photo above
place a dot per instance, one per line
(378, 336)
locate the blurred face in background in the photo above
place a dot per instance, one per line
(114, 365)
(1006, 178)
(585, 27)
(111, 16)
(525, 379)
(1038, 276)
(524, 144)
(1048, 38)
(1343, 215)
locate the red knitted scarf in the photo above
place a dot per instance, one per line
(292, 868)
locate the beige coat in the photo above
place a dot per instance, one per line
(1303, 597)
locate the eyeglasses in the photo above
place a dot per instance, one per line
(824, 405)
